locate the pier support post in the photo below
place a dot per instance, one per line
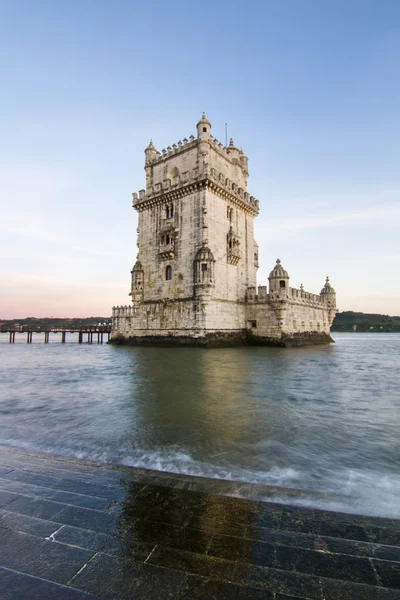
(63, 337)
(80, 337)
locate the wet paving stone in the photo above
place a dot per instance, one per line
(145, 530)
(323, 564)
(45, 559)
(6, 498)
(88, 519)
(346, 590)
(247, 551)
(5, 470)
(100, 542)
(200, 564)
(112, 578)
(279, 581)
(388, 573)
(21, 523)
(130, 533)
(113, 492)
(35, 507)
(198, 588)
(17, 586)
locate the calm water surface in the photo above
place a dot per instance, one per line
(323, 419)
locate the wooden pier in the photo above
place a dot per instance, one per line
(85, 334)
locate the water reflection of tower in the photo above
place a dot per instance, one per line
(189, 400)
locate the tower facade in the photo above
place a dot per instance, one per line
(197, 257)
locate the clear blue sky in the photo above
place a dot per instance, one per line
(309, 88)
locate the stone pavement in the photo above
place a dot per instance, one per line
(77, 530)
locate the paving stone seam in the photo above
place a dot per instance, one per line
(45, 488)
(324, 538)
(65, 504)
(59, 483)
(149, 556)
(82, 568)
(53, 583)
(273, 567)
(376, 574)
(11, 512)
(51, 536)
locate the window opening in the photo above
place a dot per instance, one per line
(168, 273)
(282, 284)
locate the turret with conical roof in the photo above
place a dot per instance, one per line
(329, 294)
(278, 281)
(203, 128)
(151, 153)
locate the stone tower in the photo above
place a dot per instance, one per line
(195, 231)
(194, 280)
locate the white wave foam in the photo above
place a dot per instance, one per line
(348, 490)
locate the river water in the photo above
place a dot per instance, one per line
(322, 419)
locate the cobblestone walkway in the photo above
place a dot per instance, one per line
(75, 530)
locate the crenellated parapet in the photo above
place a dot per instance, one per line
(293, 296)
(229, 153)
(122, 312)
(185, 183)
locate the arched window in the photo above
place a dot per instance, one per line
(167, 212)
(172, 210)
(168, 273)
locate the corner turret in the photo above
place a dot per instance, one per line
(137, 282)
(329, 294)
(203, 128)
(233, 152)
(278, 282)
(150, 153)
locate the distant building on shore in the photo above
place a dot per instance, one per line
(194, 281)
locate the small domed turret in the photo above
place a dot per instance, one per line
(327, 289)
(233, 151)
(278, 281)
(278, 271)
(150, 153)
(203, 128)
(329, 295)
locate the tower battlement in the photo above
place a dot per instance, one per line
(182, 184)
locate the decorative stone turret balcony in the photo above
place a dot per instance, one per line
(234, 255)
(166, 251)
